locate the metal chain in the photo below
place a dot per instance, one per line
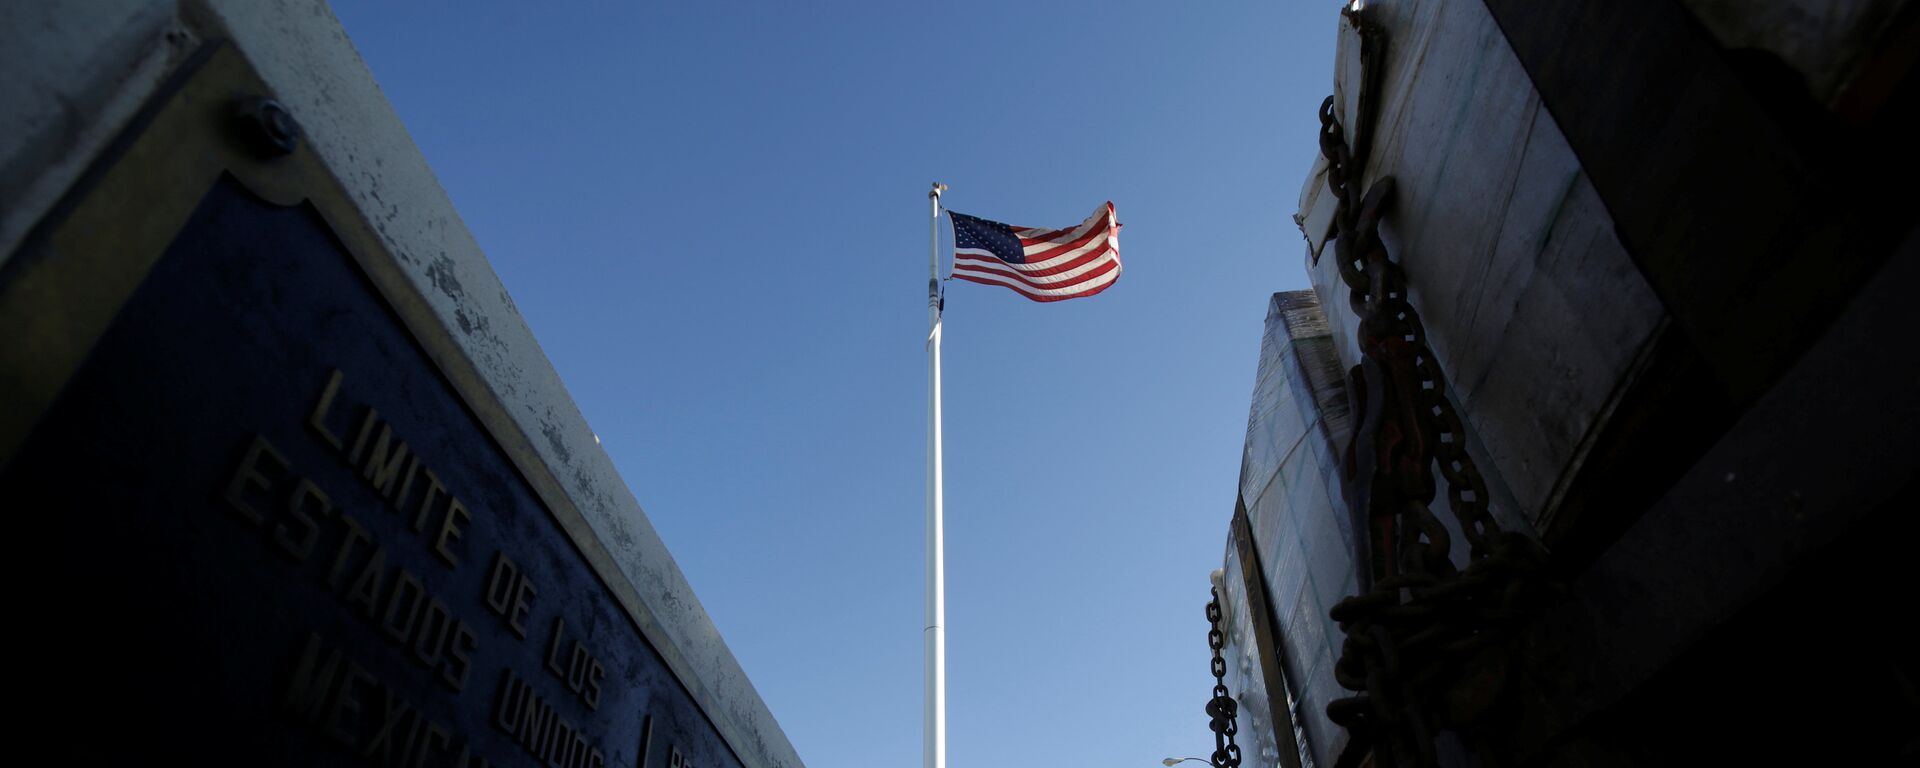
(1412, 637)
(1222, 709)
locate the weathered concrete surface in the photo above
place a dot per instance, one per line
(90, 65)
(1785, 527)
(1290, 484)
(1798, 470)
(75, 71)
(1536, 311)
(1822, 41)
(1246, 679)
(300, 47)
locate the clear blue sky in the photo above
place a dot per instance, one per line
(714, 217)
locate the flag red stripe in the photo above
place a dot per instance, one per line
(1093, 245)
(983, 265)
(1089, 292)
(1090, 236)
(1038, 267)
(1042, 236)
(1070, 264)
(1077, 231)
(1048, 236)
(1090, 274)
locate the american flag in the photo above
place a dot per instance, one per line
(1040, 264)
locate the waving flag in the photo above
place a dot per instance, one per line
(1041, 264)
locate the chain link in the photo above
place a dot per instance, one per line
(1222, 710)
(1426, 646)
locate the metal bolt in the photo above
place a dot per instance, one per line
(268, 126)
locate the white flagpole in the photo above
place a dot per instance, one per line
(936, 633)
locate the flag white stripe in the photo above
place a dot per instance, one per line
(1063, 264)
(1015, 284)
(1038, 265)
(1072, 235)
(1041, 279)
(1088, 247)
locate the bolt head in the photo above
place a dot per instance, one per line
(268, 126)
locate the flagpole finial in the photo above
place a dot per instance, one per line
(937, 189)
